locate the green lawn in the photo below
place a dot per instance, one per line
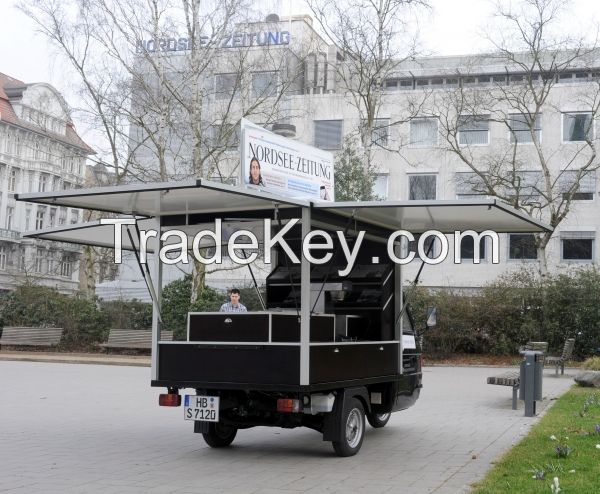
(574, 421)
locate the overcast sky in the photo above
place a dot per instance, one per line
(453, 27)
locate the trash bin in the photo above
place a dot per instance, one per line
(532, 373)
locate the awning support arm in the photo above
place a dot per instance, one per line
(415, 281)
(260, 298)
(145, 274)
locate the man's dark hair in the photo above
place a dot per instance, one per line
(234, 290)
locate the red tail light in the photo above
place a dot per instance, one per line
(169, 400)
(288, 405)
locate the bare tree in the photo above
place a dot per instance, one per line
(541, 178)
(375, 37)
(167, 81)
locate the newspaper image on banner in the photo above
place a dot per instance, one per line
(285, 166)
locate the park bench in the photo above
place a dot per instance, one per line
(511, 378)
(135, 339)
(566, 355)
(26, 336)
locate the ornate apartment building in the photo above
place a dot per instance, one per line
(40, 151)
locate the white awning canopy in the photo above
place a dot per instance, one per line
(220, 201)
(444, 216)
(94, 234)
(164, 198)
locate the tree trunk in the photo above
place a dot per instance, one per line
(543, 261)
(198, 280)
(87, 277)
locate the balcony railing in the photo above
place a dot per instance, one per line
(12, 234)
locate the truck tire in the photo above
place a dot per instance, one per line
(352, 431)
(219, 435)
(378, 420)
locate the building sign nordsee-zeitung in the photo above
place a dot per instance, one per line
(233, 40)
(284, 166)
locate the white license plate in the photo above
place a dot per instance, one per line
(203, 408)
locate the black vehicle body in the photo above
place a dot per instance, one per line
(328, 349)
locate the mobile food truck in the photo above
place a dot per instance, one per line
(334, 344)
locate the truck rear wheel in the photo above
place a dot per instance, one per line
(219, 435)
(378, 420)
(352, 431)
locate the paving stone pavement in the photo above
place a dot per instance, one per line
(71, 428)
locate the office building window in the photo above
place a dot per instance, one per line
(424, 132)
(2, 257)
(577, 127)
(22, 260)
(398, 84)
(39, 218)
(8, 144)
(264, 84)
(474, 129)
(225, 85)
(12, 179)
(469, 185)
(422, 187)
(577, 246)
(38, 261)
(521, 246)
(224, 135)
(431, 247)
(380, 186)
(43, 182)
(527, 185)
(27, 219)
(10, 213)
(582, 191)
(66, 267)
(467, 248)
(521, 127)
(380, 132)
(328, 134)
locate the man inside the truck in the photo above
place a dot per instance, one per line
(234, 304)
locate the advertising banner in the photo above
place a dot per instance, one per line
(284, 166)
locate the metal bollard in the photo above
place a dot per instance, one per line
(530, 388)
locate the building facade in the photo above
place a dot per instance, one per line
(473, 110)
(40, 151)
(435, 118)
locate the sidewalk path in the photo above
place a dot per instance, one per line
(76, 358)
(71, 428)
